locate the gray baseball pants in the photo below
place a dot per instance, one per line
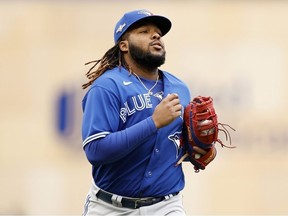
(96, 207)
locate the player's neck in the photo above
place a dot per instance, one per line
(145, 72)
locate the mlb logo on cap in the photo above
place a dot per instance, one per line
(133, 17)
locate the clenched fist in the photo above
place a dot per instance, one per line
(167, 110)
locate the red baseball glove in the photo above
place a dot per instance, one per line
(200, 132)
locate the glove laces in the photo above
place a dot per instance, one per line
(227, 135)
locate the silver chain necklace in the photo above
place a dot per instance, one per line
(148, 90)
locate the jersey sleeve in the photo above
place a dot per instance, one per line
(119, 144)
(104, 141)
(100, 114)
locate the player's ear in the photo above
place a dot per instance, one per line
(123, 45)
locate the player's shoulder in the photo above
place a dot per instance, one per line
(108, 83)
(178, 85)
(111, 77)
(172, 78)
(113, 74)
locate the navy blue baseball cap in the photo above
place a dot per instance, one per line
(133, 17)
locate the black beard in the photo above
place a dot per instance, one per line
(146, 59)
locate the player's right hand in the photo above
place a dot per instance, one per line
(167, 110)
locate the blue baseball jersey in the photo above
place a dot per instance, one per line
(129, 155)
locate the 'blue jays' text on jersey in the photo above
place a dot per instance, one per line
(130, 157)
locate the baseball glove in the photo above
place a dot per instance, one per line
(200, 132)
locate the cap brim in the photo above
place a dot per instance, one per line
(163, 23)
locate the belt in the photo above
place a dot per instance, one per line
(132, 203)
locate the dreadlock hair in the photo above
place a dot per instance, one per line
(111, 59)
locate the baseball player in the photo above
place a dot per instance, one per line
(132, 123)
